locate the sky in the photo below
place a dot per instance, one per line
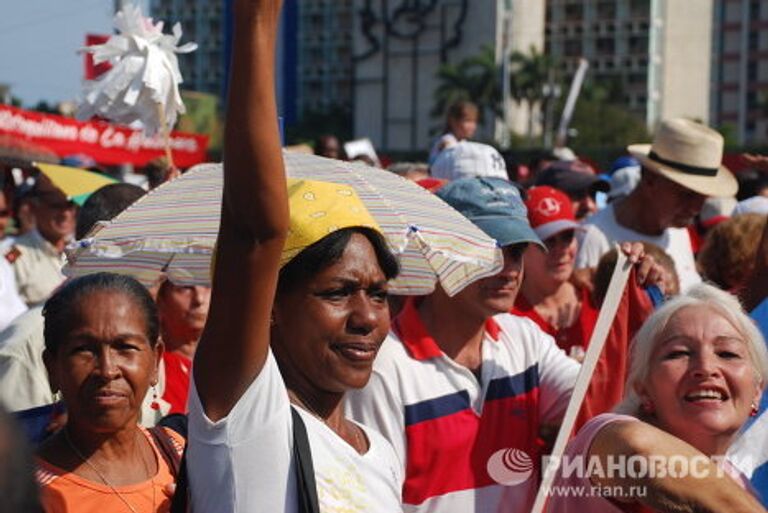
(39, 40)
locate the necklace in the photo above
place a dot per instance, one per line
(104, 478)
(359, 442)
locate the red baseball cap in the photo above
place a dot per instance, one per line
(431, 184)
(550, 211)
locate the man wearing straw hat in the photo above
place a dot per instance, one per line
(679, 171)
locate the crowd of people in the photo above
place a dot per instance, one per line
(297, 383)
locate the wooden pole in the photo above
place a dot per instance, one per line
(165, 129)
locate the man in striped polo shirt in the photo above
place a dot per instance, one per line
(461, 388)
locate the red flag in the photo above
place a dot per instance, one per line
(606, 389)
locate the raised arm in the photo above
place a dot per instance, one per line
(703, 489)
(254, 218)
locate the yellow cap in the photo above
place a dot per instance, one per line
(318, 209)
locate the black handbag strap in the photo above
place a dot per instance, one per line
(305, 473)
(305, 470)
(180, 501)
(165, 444)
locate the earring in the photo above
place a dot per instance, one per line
(647, 406)
(753, 410)
(154, 404)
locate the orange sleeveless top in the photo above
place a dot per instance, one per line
(65, 492)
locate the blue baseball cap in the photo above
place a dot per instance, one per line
(622, 162)
(494, 205)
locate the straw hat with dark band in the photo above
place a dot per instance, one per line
(689, 154)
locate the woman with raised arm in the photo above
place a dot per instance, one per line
(312, 287)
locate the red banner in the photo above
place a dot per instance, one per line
(107, 144)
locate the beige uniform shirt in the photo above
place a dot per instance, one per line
(37, 267)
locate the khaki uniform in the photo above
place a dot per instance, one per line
(37, 267)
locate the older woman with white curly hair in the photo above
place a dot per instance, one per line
(697, 373)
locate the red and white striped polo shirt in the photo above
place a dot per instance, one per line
(445, 424)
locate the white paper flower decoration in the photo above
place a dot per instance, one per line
(143, 83)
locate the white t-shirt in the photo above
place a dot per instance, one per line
(602, 231)
(244, 462)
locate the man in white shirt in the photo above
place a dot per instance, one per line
(679, 171)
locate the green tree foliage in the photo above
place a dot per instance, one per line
(600, 125)
(475, 79)
(45, 107)
(601, 120)
(528, 75)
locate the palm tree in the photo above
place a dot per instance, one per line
(475, 79)
(528, 76)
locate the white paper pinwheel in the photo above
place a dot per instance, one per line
(143, 83)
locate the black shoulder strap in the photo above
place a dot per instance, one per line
(305, 473)
(180, 501)
(305, 470)
(167, 449)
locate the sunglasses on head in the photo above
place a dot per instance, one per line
(563, 238)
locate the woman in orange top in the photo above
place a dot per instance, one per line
(102, 353)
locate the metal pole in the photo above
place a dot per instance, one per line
(505, 92)
(570, 103)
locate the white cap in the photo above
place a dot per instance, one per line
(564, 153)
(715, 210)
(624, 181)
(753, 205)
(469, 159)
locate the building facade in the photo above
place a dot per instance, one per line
(314, 54)
(204, 22)
(324, 57)
(740, 69)
(398, 52)
(655, 53)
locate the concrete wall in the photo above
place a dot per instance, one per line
(686, 52)
(527, 19)
(394, 86)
